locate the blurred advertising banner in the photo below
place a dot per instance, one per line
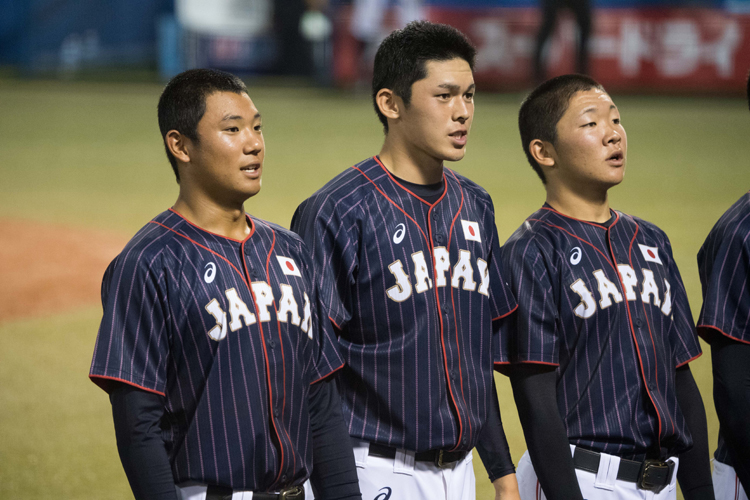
(642, 48)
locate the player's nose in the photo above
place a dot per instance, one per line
(612, 136)
(462, 111)
(254, 143)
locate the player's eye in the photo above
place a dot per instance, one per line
(233, 129)
(258, 127)
(469, 96)
(616, 121)
(444, 96)
(590, 124)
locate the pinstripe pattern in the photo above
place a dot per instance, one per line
(418, 371)
(615, 351)
(724, 269)
(236, 408)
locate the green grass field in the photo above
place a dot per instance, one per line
(89, 155)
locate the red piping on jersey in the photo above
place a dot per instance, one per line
(453, 302)
(584, 221)
(632, 330)
(281, 348)
(106, 377)
(394, 203)
(546, 363)
(576, 237)
(252, 227)
(242, 276)
(504, 315)
(327, 374)
(689, 360)
(711, 327)
(393, 178)
(268, 366)
(334, 323)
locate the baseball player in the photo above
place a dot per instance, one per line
(212, 348)
(603, 335)
(406, 254)
(724, 322)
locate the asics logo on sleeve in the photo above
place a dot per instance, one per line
(398, 236)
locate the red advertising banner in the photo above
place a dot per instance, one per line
(644, 49)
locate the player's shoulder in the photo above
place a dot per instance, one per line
(736, 220)
(531, 236)
(346, 189)
(648, 229)
(284, 237)
(470, 187)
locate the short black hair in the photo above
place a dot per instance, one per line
(402, 57)
(543, 108)
(183, 102)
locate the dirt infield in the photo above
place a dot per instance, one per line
(47, 269)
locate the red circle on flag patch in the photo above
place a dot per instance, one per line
(651, 254)
(471, 231)
(290, 266)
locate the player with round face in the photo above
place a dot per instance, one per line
(603, 335)
(212, 346)
(406, 255)
(724, 322)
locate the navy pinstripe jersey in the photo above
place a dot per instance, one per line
(608, 308)
(413, 288)
(724, 268)
(234, 365)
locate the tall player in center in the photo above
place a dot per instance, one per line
(407, 254)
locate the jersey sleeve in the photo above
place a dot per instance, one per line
(682, 334)
(333, 250)
(726, 297)
(326, 358)
(132, 343)
(532, 329)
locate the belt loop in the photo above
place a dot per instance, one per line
(404, 462)
(361, 451)
(607, 474)
(673, 482)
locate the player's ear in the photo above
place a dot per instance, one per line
(543, 152)
(389, 103)
(177, 145)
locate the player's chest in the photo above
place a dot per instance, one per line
(221, 294)
(599, 275)
(409, 253)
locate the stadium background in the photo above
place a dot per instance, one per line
(82, 168)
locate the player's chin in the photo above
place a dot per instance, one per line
(455, 154)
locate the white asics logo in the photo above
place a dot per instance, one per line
(398, 236)
(210, 272)
(575, 257)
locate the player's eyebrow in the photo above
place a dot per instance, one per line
(594, 108)
(237, 117)
(455, 88)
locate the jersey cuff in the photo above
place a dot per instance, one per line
(689, 360)
(327, 374)
(104, 382)
(702, 334)
(505, 314)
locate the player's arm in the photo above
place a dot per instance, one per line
(493, 449)
(535, 392)
(334, 475)
(137, 415)
(694, 473)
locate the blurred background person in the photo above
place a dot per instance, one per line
(581, 9)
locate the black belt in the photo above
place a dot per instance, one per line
(651, 475)
(223, 493)
(441, 458)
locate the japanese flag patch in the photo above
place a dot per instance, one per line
(288, 266)
(650, 254)
(471, 230)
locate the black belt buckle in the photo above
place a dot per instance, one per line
(292, 493)
(655, 475)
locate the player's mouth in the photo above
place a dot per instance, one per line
(616, 159)
(459, 138)
(252, 170)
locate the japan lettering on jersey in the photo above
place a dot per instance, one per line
(607, 307)
(414, 289)
(724, 269)
(229, 333)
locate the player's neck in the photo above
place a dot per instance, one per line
(227, 221)
(593, 207)
(409, 164)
